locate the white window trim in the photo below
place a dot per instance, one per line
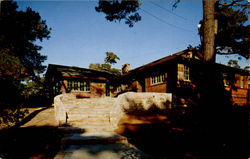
(186, 70)
(241, 81)
(157, 79)
(79, 83)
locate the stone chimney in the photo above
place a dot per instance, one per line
(125, 68)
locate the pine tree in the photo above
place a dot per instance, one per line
(20, 59)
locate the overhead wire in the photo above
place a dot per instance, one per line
(163, 21)
(169, 11)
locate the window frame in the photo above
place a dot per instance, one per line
(226, 81)
(78, 85)
(186, 73)
(118, 89)
(157, 79)
(241, 81)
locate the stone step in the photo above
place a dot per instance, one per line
(93, 137)
(104, 105)
(105, 119)
(99, 107)
(78, 107)
(83, 109)
(88, 116)
(87, 128)
(88, 121)
(77, 116)
(92, 112)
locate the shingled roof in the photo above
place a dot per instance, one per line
(77, 71)
(162, 60)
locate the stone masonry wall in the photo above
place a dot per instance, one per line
(131, 101)
(127, 102)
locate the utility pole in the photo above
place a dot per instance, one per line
(209, 30)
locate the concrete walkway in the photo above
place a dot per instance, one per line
(94, 145)
(101, 151)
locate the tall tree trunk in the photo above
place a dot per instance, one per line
(209, 30)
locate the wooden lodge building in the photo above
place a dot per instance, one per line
(178, 74)
(84, 83)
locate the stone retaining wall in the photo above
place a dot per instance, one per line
(60, 107)
(124, 103)
(138, 102)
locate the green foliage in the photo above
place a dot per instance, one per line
(119, 10)
(33, 87)
(95, 66)
(233, 63)
(104, 67)
(11, 117)
(18, 32)
(20, 60)
(111, 58)
(10, 92)
(247, 68)
(233, 29)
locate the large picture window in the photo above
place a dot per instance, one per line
(157, 79)
(78, 85)
(186, 73)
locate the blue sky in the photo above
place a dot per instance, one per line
(81, 36)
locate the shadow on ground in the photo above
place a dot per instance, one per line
(188, 138)
(29, 117)
(30, 142)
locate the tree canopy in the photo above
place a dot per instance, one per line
(109, 59)
(20, 57)
(120, 10)
(233, 32)
(233, 63)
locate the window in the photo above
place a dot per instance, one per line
(241, 82)
(157, 79)
(69, 85)
(225, 79)
(57, 87)
(75, 87)
(78, 85)
(118, 89)
(186, 73)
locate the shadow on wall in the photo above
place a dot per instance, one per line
(212, 127)
(98, 90)
(177, 137)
